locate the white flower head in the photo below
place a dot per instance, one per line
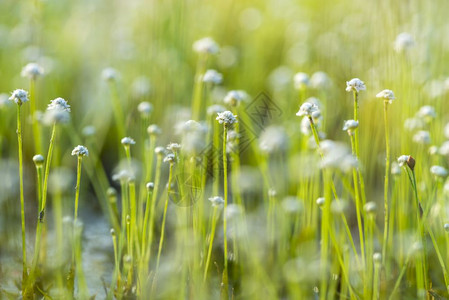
(226, 118)
(80, 151)
(38, 159)
(235, 97)
(122, 176)
(307, 109)
(19, 96)
(153, 129)
(141, 87)
(110, 74)
(355, 85)
(89, 130)
(387, 95)
(159, 150)
(215, 109)
(427, 113)
(217, 201)
(320, 80)
(350, 126)
(212, 76)
(444, 149)
(422, 137)
(145, 108)
(446, 227)
(173, 147)
(206, 46)
(439, 171)
(301, 80)
(32, 71)
(403, 159)
(170, 158)
(59, 104)
(126, 141)
(395, 169)
(273, 139)
(404, 41)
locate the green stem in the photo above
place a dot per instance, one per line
(211, 242)
(153, 206)
(47, 165)
(164, 218)
(387, 175)
(225, 191)
(77, 187)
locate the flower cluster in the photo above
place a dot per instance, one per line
(226, 118)
(19, 96)
(80, 151)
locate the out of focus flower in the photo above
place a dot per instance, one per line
(126, 141)
(395, 169)
(273, 139)
(226, 118)
(337, 156)
(88, 131)
(122, 176)
(215, 109)
(206, 46)
(32, 71)
(154, 130)
(173, 147)
(307, 109)
(426, 112)
(387, 95)
(355, 85)
(217, 201)
(110, 74)
(350, 126)
(439, 171)
(320, 81)
(422, 137)
(412, 124)
(301, 80)
(19, 96)
(145, 108)
(141, 87)
(212, 76)
(234, 98)
(80, 151)
(404, 41)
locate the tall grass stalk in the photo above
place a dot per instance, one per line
(386, 182)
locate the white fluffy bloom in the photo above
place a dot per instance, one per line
(212, 76)
(235, 97)
(145, 108)
(226, 118)
(206, 46)
(404, 41)
(193, 137)
(387, 95)
(122, 176)
(126, 141)
(422, 137)
(170, 158)
(80, 151)
(402, 160)
(19, 96)
(141, 87)
(426, 112)
(38, 159)
(320, 80)
(439, 171)
(216, 201)
(355, 85)
(159, 150)
(153, 129)
(413, 124)
(337, 155)
(110, 74)
(307, 109)
(444, 149)
(32, 71)
(58, 111)
(301, 80)
(273, 139)
(446, 130)
(173, 147)
(350, 126)
(59, 104)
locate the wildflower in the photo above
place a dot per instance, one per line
(57, 112)
(273, 139)
(59, 104)
(337, 155)
(444, 149)
(412, 124)
(395, 169)
(292, 204)
(370, 207)
(88, 131)
(280, 78)
(226, 118)
(4, 100)
(426, 112)
(215, 109)
(439, 171)
(307, 109)
(145, 108)
(19, 96)
(446, 227)
(141, 87)
(150, 186)
(173, 147)
(235, 97)
(154, 130)
(212, 76)
(377, 258)
(38, 160)
(406, 159)
(433, 150)
(80, 151)
(320, 80)
(422, 137)
(301, 80)
(32, 71)
(320, 201)
(206, 46)
(387, 95)
(350, 126)
(126, 141)
(110, 74)
(355, 85)
(170, 158)
(404, 41)
(122, 176)
(217, 201)
(159, 150)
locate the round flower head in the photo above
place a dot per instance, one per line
(320, 201)
(370, 207)
(320, 80)
(446, 227)
(150, 186)
(355, 85)
(215, 109)
(173, 147)
(403, 160)
(126, 141)
(307, 109)
(89, 130)
(377, 258)
(145, 108)
(216, 201)
(19, 96)
(301, 80)
(32, 71)
(422, 137)
(59, 104)
(387, 95)
(427, 113)
(153, 129)
(110, 74)
(404, 41)
(212, 76)
(226, 118)
(206, 46)
(80, 151)
(439, 171)
(38, 159)
(273, 139)
(170, 158)
(234, 98)
(350, 126)
(444, 149)
(159, 150)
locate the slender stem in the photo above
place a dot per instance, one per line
(47, 165)
(387, 175)
(22, 201)
(35, 124)
(225, 192)
(153, 205)
(77, 187)
(164, 218)
(211, 242)
(39, 224)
